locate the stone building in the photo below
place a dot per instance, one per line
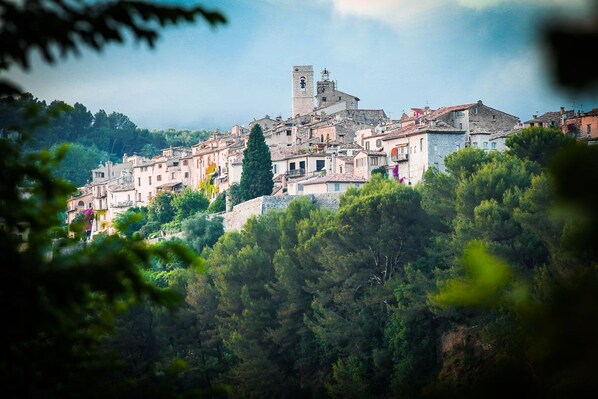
(302, 87)
(330, 100)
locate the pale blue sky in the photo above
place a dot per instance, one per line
(392, 54)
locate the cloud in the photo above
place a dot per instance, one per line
(400, 12)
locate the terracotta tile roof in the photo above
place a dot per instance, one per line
(445, 110)
(547, 117)
(335, 178)
(438, 127)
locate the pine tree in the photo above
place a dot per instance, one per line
(256, 179)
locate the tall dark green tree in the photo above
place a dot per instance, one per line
(256, 179)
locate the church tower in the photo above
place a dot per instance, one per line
(303, 90)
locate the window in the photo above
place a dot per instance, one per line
(274, 168)
(81, 203)
(185, 162)
(357, 185)
(299, 187)
(320, 164)
(589, 127)
(374, 161)
(323, 99)
(337, 187)
(139, 181)
(302, 84)
(421, 144)
(289, 133)
(172, 175)
(494, 145)
(302, 165)
(475, 144)
(459, 114)
(367, 145)
(292, 166)
(460, 126)
(149, 179)
(485, 145)
(186, 174)
(378, 143)
(159, 166)
(159, 178)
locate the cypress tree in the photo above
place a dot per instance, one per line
(256, 179)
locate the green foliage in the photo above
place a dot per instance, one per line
(464, 163)
(130, 221)
(438, 198)
(93, 138)
(538, 144)
(235, 193)
(219, 204)
(486, 202)
(202, 231)
(488, 282)
(79, 160)
(64, 296)
(380, 171)
(256, 178)
(161, 209)
(188, 203)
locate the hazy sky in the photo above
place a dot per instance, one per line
(392, 54)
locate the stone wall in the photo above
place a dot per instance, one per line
(235, 219)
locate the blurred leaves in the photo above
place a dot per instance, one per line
(58, 28)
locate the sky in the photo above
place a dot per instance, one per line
(392, 54)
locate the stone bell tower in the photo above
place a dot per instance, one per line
(303, 90)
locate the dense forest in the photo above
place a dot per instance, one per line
(92, 138)
(478, 282)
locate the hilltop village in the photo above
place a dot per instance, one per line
(326, 146)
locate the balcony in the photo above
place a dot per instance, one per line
(296, 172)
(399, 157)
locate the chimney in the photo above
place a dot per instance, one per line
(562, 110)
